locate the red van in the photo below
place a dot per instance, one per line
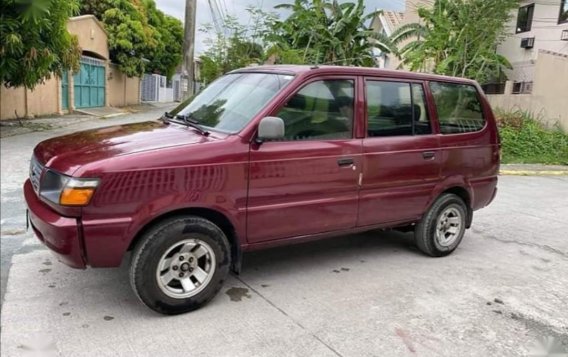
(266, 156)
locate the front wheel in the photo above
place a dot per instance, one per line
(442, 228)
(180, 264)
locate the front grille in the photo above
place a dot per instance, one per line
(35, 173)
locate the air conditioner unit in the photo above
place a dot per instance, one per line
(527, 42)
(564, 36)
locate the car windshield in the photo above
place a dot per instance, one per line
(231, 101)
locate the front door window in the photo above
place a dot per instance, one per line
(322, 110)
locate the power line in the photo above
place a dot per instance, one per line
(214, 17)
(220, 11)
(225, 6)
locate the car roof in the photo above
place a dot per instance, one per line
(347, 70)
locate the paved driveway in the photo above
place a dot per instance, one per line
(370, 294)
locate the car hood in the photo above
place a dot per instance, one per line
(67, 153)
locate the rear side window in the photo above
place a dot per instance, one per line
(321, 110)
(396, 108)
(458, 107)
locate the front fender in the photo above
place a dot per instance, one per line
(127, 202)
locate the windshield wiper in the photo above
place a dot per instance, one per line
(166, 117)
(187, 119)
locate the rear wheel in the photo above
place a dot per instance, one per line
(180, 264)
(442, 228)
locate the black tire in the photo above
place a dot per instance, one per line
(425, 234)
(156, 242)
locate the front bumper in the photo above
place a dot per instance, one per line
(62, 235)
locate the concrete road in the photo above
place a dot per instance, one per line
(15, 154)
(372, 294)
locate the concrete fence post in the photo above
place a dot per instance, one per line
(508, 87)
(107, 72)
(70, 92)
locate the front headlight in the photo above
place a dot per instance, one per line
(67, 191)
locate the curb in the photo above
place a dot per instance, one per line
(534, 173)
(113, 115)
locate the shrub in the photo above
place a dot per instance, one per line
(525, 139)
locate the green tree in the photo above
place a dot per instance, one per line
(128, 40)
(323, 31)
(141, 37)
(209, 69)
(235, 45)
(167, 54)
(34, 41)
(457, 38)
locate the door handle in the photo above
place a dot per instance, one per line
(428, 155)
(345, 161)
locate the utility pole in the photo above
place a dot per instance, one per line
(188, 48)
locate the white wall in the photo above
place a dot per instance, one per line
(165, 95)
(546, 31)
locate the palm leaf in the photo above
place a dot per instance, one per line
(407, 31)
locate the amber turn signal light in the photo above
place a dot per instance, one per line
(72, 196)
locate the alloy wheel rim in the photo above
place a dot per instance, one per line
(448, 226)
(186, 268)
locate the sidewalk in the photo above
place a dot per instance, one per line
(18, 127)
(533, 170)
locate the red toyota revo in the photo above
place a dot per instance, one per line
(266, 156)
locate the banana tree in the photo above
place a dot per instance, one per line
(457, 38)
(327, 32)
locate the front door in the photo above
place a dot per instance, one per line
(307, 183)
(401, 164)
(89, 83)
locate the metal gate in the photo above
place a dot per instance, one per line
(89, 83)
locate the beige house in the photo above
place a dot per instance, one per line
(389, 21)
(385, 23)
(535, 26)
(97, 84)
(548, 95)
(537, 49)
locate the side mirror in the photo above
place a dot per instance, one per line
(270, 128)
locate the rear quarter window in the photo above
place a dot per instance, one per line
(458, 107)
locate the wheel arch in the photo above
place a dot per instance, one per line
(465, 195)
(212, 215)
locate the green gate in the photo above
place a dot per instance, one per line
(65, 91)
(89, 83)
